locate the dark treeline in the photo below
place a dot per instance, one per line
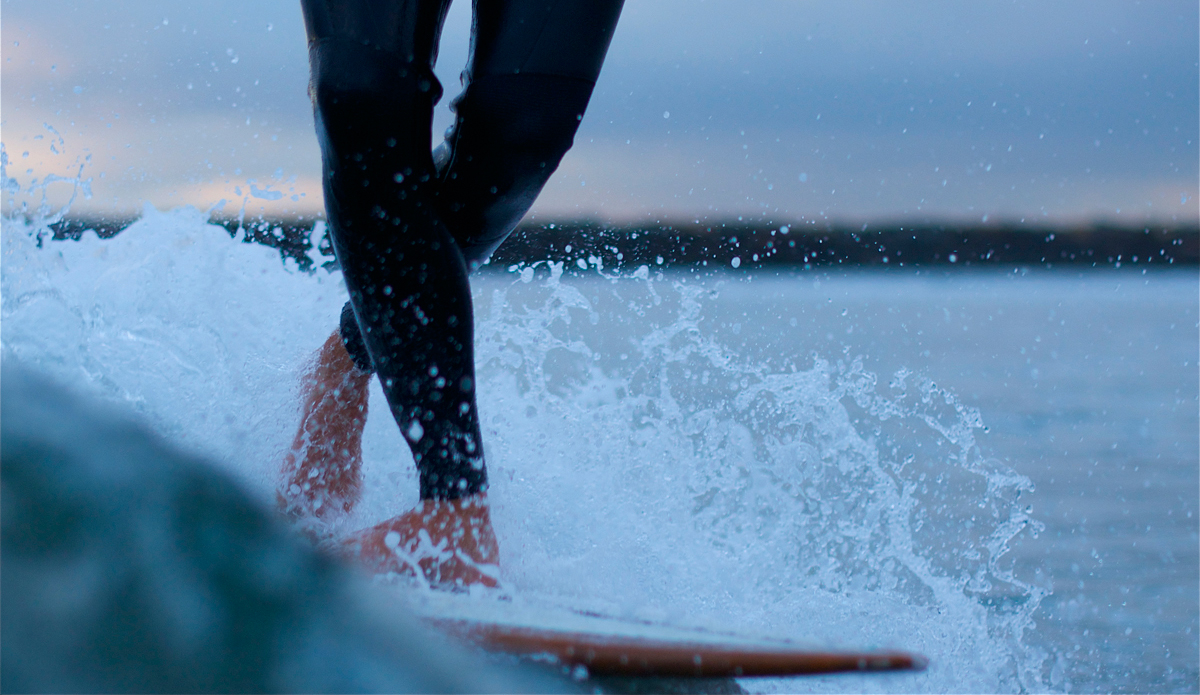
(750, 245)
(745, 245)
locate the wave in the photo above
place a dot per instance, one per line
(646, 458)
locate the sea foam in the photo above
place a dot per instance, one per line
(647, 460)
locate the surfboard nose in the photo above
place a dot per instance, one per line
(920, 662)
(893, 661)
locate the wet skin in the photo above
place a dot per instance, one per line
(448, 542)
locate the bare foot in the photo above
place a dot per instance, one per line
(451, 542)
(322, 474)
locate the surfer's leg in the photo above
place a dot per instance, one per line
(406, 289)
(322, 473)
(531, 73)
(374, 92)
(532, 69)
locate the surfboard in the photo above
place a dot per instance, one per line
(608, 646)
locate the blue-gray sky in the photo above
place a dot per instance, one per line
(1060, 111)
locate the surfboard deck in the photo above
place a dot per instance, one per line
(607, 646)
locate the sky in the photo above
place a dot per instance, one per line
(1062, 112)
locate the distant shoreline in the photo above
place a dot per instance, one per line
(762, 245)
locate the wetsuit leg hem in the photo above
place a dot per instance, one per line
(353, 341)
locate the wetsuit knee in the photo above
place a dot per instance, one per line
(374, 108)
(510, 134)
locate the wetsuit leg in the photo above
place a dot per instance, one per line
(532, 69)
(533, 66)
(374, 92)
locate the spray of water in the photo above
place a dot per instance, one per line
(808, 484)
(642, 463)
(46, 200)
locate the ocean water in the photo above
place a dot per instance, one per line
(999, 470)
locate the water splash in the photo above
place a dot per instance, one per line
(40, 201)
(807, 481)
(644, 461)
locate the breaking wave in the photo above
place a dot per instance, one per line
(647, 460)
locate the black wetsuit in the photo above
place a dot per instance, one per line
(407, 231)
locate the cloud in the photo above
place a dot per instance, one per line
(183, 159)
(847, 178)
(944, 108)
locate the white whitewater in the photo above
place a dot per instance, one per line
(646, 460)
